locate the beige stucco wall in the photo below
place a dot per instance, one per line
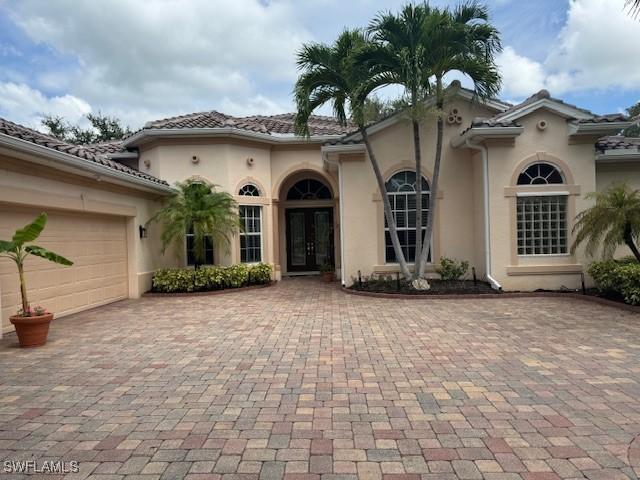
(457, 218)
(577, 162)
(25, 185)
(273, 170)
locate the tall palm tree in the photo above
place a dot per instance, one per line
(634, 6)
(613, 221)
(459, 40)
(196, 206)
(331, 74)
(398, 55)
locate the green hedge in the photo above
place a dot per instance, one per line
(620, 278)
(181, 280)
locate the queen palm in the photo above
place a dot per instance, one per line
(416, 50)
(331, 74)
(613, 221)
(196, 206)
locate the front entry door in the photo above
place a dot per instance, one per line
(309, 238)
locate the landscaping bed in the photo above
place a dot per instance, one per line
(438, 287)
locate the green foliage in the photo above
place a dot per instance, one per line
(450, 269)
(326, 267)
(103, 128)
(375, 109)
(16, 250)
(619, 278)
(613, 221)
(184, 280)
(634, 113)
(198, 207)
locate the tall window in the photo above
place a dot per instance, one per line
(251, 234)
(401, 190)
(208, 249)
(541, 218)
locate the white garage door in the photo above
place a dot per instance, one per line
(95, 243)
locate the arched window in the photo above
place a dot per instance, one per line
(401, 190)
(309, 189)
(540, 174)
(249, 190)
(541, 215)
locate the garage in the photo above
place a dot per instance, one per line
(97, 244)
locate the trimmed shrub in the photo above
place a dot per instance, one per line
(450, 269)
(619, 278)
(183, 280)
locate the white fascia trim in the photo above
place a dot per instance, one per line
(225, 132)
(484, 133)
(349, 148)
(559, 108)
(85, 166)
(630, 155)
(542, 194)
(112, 156)
(602, 128)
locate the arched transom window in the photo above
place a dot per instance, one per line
(309, 189)
(541, 214)
(401, 190)
(540, 174)
(249, 190)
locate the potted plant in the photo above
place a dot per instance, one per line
(31, 324)
(327, 272)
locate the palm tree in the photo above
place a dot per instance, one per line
(634, 6)
(398, 55)
(331, 74)
(196, 206)
(613, 221)
(459, 40)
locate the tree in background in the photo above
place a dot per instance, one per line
(634, 113)
(375, 108)
(634, 6)
(103, 129)
(613, 221)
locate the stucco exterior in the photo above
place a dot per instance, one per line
(486, 146)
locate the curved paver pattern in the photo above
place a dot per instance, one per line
(303, 381)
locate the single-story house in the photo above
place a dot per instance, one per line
(513, 178)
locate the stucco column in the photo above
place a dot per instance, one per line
(275, 236)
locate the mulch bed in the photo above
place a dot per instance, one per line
(438, 287)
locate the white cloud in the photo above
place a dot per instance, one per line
(595, 50)
(141, 60)
(26, 105)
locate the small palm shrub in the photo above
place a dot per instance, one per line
(185, 280)
(620, 278)
(451, 269)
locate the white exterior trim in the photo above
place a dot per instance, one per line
(224, 132)
(542, 194)
(485, 132)
(602, 128)
(616, 156)
(559, 108)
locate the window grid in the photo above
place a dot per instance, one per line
(249, 190)
(251, 236)
(401, 190)
(542, 225)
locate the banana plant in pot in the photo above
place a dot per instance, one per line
(31, 324)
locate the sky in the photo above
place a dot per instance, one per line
(144, 60)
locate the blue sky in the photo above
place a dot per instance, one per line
(145, 60)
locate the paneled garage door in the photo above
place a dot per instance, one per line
(95, 243)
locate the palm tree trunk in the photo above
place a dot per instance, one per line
(628, 239)
(433, 190)
(418, 156)
(388, 213)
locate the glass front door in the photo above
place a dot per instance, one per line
(309, 238)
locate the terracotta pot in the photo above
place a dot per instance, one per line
(327, 276)
(32, 331)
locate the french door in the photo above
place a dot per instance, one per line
(309, 238)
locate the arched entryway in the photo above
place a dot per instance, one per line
(308, 232)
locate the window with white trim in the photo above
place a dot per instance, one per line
(251, 233)
(541, 218)
(401, 191)
(249, 190)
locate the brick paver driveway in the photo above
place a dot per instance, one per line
(303, 381)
